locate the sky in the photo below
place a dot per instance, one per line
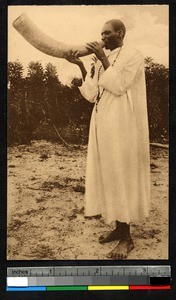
(147, 30)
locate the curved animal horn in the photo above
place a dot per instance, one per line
(43, 42)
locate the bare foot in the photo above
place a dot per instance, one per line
(122, 249)
(110, 236)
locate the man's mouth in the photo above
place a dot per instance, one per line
(106, 44)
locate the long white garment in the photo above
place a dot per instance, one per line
(118, 169)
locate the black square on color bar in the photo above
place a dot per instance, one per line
(160, 280)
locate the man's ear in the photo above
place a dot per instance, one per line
(120, 32)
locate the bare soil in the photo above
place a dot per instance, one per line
(46, 207)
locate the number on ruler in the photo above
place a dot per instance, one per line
(96, 271)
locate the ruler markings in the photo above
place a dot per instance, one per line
(90, 271)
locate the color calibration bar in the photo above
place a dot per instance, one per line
(89, 278)
(85, 288)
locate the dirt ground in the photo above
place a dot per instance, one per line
(46, 207)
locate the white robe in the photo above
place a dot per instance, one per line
(118, 169)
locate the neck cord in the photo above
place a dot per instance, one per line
(100, 95)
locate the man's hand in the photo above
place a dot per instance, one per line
(72, 57)
(99, 52)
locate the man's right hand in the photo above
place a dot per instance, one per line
(72, 57)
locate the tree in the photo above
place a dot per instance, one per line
(56, 98)
(35, 92)
(52, 88)
(157, 83)
(50, 74)
(15, 100)
(15, 74)
(35, 76)
(40, 103)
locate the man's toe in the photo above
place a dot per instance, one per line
(110, 255)
(101, 239)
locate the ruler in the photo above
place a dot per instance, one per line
(88, 277)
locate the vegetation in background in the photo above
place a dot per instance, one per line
(157, 84)
(41, 107)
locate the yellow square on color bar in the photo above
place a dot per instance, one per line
(107, 287)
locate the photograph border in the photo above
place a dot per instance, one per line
(172, 173)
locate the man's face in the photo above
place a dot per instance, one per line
(110, 37)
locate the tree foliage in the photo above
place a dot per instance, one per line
(16, 95)
(40, 106)
(157, 84)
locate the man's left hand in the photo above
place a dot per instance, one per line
(96, 48)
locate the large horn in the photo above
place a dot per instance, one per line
(43, 42)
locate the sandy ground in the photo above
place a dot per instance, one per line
(46, 207)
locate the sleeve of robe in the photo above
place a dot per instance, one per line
(118, 81)
(89, 88)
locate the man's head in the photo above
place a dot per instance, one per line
(113, 33)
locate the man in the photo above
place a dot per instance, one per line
(117, 175)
